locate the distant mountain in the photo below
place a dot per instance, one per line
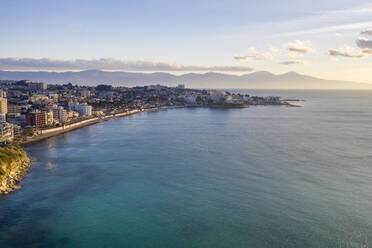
(255, 80)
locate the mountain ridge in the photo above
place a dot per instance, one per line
(254, 80)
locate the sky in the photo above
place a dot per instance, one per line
(328, 39)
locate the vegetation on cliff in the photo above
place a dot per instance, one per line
(14, 164)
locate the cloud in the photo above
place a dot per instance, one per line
(264, 56)
(273, 50)
(254, 55)
(292, 62)
(299, 48)
(345, 52)
(367, 51)
(357, 17)
(363, 43)
(367, 32)
(327, 29)
(108, 64)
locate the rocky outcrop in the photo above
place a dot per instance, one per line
(14, 164)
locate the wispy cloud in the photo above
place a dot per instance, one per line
(327, 29)
(299, 48)
(346, 52)
(292, 62)
(253, 54)
(108, 64)
(357, 17)
(264, 56)
(334, 21)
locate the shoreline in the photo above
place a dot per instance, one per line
(67, 128)
(23, 167)
(17, 169)
(49, 133)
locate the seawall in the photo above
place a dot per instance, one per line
(47, 133)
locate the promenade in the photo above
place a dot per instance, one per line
(51, 132)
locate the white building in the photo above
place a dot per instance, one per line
(83, 109)
(60, 114)
(191, 99)
(217, 96)
(272, 99)
(49, 117)
(234, 99)
(73, 105)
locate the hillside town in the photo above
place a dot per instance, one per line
(29, 109)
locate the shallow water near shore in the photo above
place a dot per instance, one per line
(266, 176)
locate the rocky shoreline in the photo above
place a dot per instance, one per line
(14, 165)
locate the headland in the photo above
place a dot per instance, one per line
(14, 165)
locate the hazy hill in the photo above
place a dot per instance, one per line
(257, 80)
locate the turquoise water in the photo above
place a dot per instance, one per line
(257, 177)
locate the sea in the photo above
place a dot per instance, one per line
(263, 176)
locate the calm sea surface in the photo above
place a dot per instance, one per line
(257, 177)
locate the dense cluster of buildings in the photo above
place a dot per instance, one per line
(25, 104)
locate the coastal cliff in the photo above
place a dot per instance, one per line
(14, 164)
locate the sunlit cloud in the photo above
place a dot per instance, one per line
(364, 44)
(292, 62)
(299, 48)
(109, 64)
(253, 54)
(273, 50)
(367, 51)
(346, 52)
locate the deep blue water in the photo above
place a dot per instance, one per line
(258, 177)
